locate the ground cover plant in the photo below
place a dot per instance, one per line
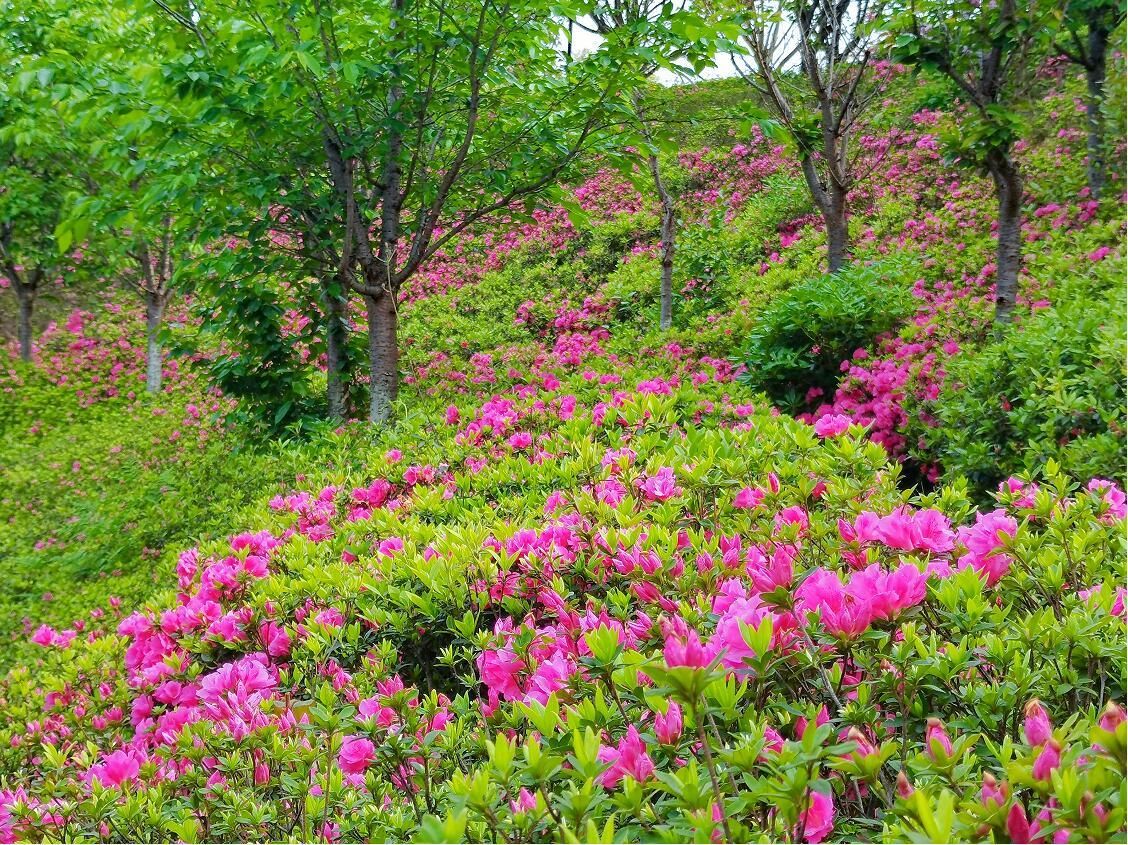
(831, 557)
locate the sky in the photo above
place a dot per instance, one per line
(584, 41)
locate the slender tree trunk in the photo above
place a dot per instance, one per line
(154, 315)
(1095, 72)
(837, 230)
(26, 296)
(666, 242)
(383, 318)
(383, 355)
(1008, 262)
(831, 203)
(335, 338)
(667, 232)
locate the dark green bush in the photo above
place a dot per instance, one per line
(802, 338)
(1052, 388)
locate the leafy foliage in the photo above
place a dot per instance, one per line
(801, 339)
(1053, 390)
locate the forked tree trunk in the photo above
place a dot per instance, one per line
(335, 339)
(26, 296)
(383, 355)
(154, 315)
(1008, 262)
(1095, 72)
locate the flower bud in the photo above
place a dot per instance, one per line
(1038, 728)
(936, 738)
(904, 787)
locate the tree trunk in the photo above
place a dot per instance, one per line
(837, 230)
(26, 296)
(831, 203)
(154, 315)
(666, 241)
(383, 355)
(335, 338)
(1095, 72)
(669, 221)
(1008, 189)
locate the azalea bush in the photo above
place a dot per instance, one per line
(800, 339)
(99, 481)
(1054, 389)
(601, 609)
(592, 585)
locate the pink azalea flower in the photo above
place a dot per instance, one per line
(275, 639)
(817, 820)
(551, 675)
(1047, 760)
(520, 440)
(116, 768)
(526, 802)
(685, 650)
(983, 544)
(499, 671)
(357, 754)
(1113, 497)
(668, 726)
(991, 793)
(832, 425)
(1018, 827)
(841, 613)
(660, 486)
(629, 758)
(778, 573)
(888, 593)
(936, 739)
(748, 498)
(1112, 716)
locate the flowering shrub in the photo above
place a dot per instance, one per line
(799, 340)
(1052, 391)
(657, 615)
(590, 586)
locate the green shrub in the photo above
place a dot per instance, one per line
(1052, 388)
(801, 339)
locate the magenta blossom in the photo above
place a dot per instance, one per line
(888, 593)
(832, 425)
(668, 726)
(660, 486)
(984, 542)
(685, 650)
(817, 820)
(1047, 760)
(1112, 717)
(116, 768)
(499, 671)
(841, 613)
(936, 739)
(1038, 727)
(357, 754)
(748, 498)
(629, 759)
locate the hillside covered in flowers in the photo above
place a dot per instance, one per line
(832, 559)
